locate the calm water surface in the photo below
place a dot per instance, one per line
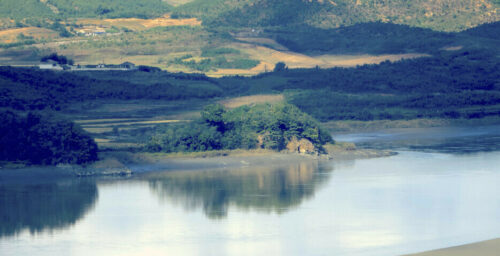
(441, 190)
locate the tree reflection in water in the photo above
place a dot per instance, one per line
(264, 188)
(45, 206)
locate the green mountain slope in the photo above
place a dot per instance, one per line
(20, 10)
(15, 9)
(444, 15)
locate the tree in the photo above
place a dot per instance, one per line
(280, 66)
(213, 114)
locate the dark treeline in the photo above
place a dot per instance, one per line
(380, 38)
(36, 139)
(373, 38)
(33, 89)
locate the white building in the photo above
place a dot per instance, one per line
(50, 64)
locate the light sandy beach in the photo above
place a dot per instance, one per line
(485, 248)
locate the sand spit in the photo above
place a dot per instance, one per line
(485, 248)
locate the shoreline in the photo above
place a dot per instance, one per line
(355, 126)
(483, 248)
(124, 163)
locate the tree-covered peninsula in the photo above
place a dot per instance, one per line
(278, 126)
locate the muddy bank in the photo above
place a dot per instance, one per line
(127, 163)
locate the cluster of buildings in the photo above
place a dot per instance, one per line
(54, 65)
(92, 31)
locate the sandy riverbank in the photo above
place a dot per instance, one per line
(485, 248)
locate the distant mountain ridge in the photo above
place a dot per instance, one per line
(442, 15)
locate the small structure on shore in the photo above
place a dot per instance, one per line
(51, 65)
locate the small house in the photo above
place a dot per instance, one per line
(128, 65)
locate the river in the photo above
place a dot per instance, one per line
(441, 190)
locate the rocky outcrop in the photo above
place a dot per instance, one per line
(302, 146)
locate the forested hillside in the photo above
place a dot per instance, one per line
(444, 15)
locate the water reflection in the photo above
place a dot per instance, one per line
(45, 206)
(265, 188)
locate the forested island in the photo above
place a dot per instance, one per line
(270, 126)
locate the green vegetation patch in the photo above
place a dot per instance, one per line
(269, 126)
(37, 139)
(214, 52)
(213, 59)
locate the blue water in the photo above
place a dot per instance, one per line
(440, 190)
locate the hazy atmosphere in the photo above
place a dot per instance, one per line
(249, 127)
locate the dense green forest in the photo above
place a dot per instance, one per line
(33, 89)
(380, 38)
(270, 126)
(37, 139)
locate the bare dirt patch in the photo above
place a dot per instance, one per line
(178, 2)
(140, 24)
(10, 35)
(452, 48)
(254, 99)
